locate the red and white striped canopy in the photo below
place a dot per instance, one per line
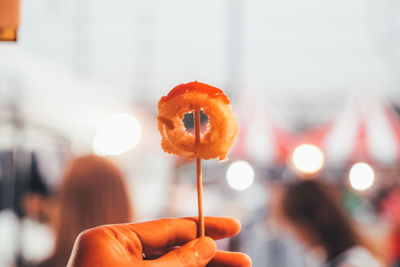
(367, 129)
(260, 138)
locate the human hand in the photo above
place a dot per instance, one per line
(165, 242)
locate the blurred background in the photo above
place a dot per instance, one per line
(315, 87)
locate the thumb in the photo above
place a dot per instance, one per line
(196, 253)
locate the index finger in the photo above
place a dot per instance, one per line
(165, 233)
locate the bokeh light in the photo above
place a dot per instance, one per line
(119, 134)
(240, 175)
(361, 176)
(308, 158)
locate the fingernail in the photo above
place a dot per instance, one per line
(205, 246)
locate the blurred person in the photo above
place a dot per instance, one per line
(36, 210)
(310, 211)
(24, 235)
(92, 193)
(390, 210)
(165, 242)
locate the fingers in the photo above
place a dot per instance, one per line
(165, 233)
(196, 253)
(156, 254)
(221, 259)
(219, 227)
(230, 259)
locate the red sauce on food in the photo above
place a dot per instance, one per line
(196, 86)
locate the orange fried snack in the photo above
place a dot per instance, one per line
(222, 125)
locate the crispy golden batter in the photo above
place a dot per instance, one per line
(222, 128)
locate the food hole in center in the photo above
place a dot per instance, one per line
(188, 122)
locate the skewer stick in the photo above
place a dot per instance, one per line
(199, 174)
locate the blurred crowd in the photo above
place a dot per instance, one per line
(305, 222)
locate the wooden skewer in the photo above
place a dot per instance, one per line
(199, 174)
